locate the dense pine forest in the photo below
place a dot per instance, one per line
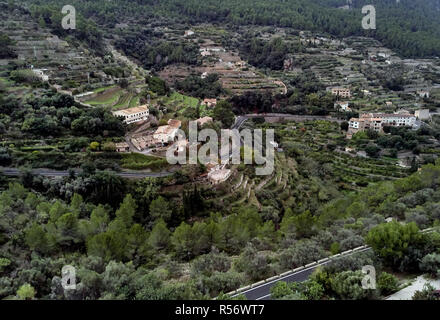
(411, 27)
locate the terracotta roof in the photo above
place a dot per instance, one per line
(204, 120)
(165, 130)
(122, 145)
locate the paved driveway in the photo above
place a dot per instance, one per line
(408, 292)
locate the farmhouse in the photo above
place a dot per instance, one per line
(40, 73)
(218, 175)
(209, 102)
(423, 93)
(205, 52)
(122, 147)
(168, 133)
(343, 105)
(165, 134)
(203, 121)
(143, 142)
(133, 115)
(376, 121)
(341, 92)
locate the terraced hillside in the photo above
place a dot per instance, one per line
(309, 170)
(236, 75)
(69, 65)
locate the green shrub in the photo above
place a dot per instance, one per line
(387, 283)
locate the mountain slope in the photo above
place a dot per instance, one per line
(411, 27)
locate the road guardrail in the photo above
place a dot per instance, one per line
(316, 263)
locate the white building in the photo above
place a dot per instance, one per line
(274, 144)
(168, 133)
(40, 73)
(205, 52)
(397, 119)
(355, 123)
(216, 49)
(122, 147)
(341, 92)
(84, 95)
(165, 134)
(423, 93)
(376, 121)
(344, 105)
(133, 115)
(212, 49)
(366, 92)
(384, 55)
(218, 175)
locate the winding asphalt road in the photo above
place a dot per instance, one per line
(65, 173)
(262, 292)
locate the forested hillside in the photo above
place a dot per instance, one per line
(411, 27)
(142, 251)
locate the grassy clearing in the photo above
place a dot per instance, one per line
(109, 97)
(110, 101)
(98, 90)
(137, 161)
(179, 102)
(123, 101)
(134, 102)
